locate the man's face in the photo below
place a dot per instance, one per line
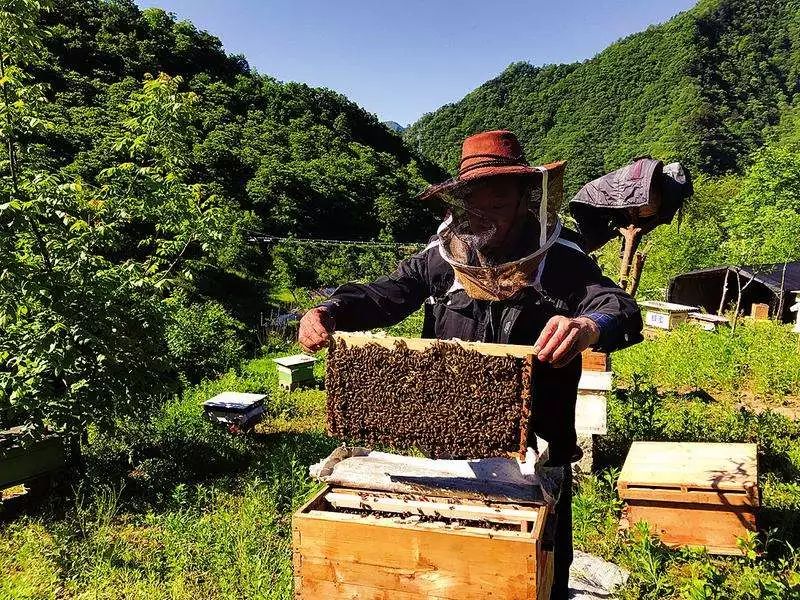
(495, 209)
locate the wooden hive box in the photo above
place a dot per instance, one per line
(295, 371)
(692, 494)
(381, 554)
(20, 463)
(665, 315)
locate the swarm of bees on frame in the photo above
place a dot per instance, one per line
(445, 401)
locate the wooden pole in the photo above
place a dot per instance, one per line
(631, 235)
(780, 298)
(636, 274)
(724, 291)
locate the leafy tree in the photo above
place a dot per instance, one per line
(87, 268)
(764, 221)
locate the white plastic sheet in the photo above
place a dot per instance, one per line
(503, 479)
(592, 578)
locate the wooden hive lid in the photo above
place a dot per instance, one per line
(670, 307)
(295, 360)
(696, 465)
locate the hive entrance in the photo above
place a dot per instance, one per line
(444, 399)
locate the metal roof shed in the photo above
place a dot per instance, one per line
(772, 284)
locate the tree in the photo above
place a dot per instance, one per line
(86, 271)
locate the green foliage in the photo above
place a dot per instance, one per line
(760, 358)
(411, 326)
(764, 220)
(204, 340)
(86, 267)
(301, 265)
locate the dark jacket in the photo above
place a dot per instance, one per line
(567, 283)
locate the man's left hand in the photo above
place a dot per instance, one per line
(562, 339)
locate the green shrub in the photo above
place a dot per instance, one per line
(204, 340)
(759, 358)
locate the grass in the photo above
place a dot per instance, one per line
(760, 359)
(170, 507)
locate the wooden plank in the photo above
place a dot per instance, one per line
(759, 311)
(414, 583)
(715, 527)
(545, 576)
(538, 528)
(596, 381)
(596, 361)
(429, 508)
(444, 497)
(412, 522)
(446, 563)
(692, 496)
(420, 344)
(591, 414)
(713, 466)
(315, 589)
(526, 416)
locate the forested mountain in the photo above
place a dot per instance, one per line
(394, 126)
(138, 164)
(306, 161)
(715, 87)
(703, 87)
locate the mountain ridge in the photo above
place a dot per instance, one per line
(703, 87)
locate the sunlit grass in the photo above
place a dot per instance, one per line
(171, 507)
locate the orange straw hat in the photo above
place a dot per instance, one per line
(494, 153)
(489, 154)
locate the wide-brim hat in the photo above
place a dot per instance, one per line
(494, 153)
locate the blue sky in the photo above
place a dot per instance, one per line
(401, 59)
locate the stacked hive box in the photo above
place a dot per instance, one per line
(374, 555)
(692, 493)
(447, 399)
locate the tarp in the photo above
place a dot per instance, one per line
(771, 285)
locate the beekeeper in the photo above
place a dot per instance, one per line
(502, 268)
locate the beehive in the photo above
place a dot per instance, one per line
(379, 550)
(445, 399)
(692, 494)
(21, 462)
(295, 371)
(665, 315)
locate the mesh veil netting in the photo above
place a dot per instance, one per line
(493, 260)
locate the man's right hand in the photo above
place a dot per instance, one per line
(316, 328)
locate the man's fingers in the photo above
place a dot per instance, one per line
(566, 349)
(312, 344)
(549, 328)
(318, 328)
(562, 329)
(306, 341)
(315, 330)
